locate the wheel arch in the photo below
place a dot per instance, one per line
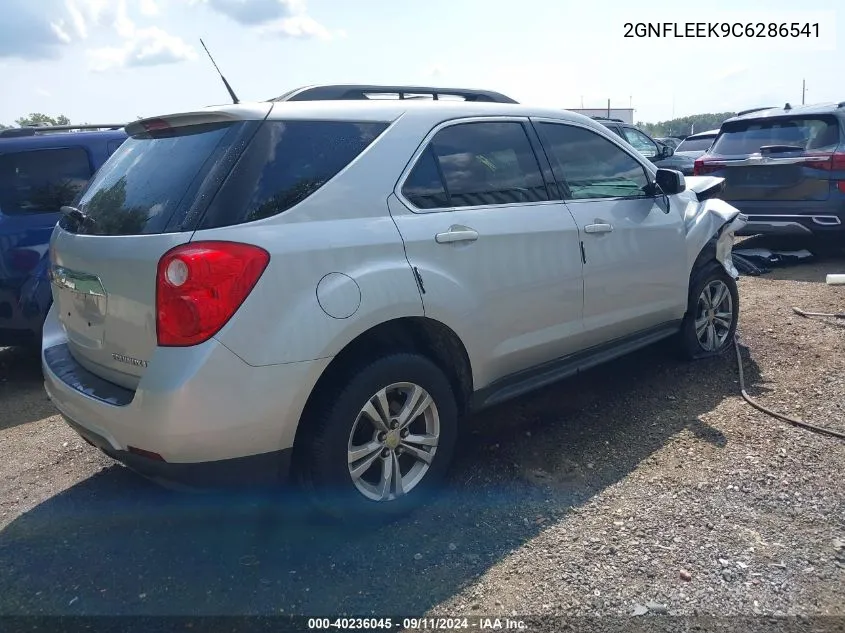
(422, 335)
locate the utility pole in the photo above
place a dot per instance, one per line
(582, 102)
(803, 90)
(608, 108)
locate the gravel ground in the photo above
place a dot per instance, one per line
(646, 486)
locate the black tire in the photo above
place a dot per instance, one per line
(702, 277)
(323, 458)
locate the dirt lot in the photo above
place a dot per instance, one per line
(647, 484)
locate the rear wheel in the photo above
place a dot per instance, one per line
(382, 440)
(712, 313)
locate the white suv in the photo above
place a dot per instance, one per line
(326, 288)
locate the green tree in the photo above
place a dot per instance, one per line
(687, 125)
(37, 118)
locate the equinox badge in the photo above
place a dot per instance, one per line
(136, 362)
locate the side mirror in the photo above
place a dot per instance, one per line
(670, 181)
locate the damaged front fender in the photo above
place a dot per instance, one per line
(711, 219)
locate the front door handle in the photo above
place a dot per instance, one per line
(456, 234)
(598, 228)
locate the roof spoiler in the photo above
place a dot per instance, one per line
(606, 118)
(32, 130)
(754, 110)
(344, 92)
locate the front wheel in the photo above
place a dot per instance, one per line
(382, 440)
(712, 313)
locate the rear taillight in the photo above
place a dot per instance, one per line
(825, 162)
(702, 167)
(199, 286)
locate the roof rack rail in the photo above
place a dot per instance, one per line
(750, 110)
(343, 92)
(841, 104)
(606, 118)
(32, 130)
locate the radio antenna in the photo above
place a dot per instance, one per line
(225, 83)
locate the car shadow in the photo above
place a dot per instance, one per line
(22, 395)
(114, 544)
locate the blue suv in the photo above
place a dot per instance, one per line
(41, 169)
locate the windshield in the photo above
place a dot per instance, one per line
(816, 134)
(699, 144)
(143, 185)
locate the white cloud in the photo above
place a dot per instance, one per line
(41, 92)
(282, 18)
(32, 33)
(145, 47)
(61, 33)
(149, 8)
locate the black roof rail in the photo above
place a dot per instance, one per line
(343, 92)
(32, 130)
(749, 111)
(606, 118)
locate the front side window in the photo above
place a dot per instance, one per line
(590, 165)
(642, 143)
(482, 163)
(42, 181)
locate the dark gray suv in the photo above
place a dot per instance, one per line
(784, 168)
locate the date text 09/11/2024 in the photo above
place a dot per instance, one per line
(418, 624)
(693, 30)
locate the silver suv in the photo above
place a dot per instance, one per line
(326, 288)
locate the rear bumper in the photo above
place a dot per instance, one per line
(255, 471)
(792, 218)
(201, 409)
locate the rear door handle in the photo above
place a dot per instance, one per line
(598, 228)
(456, 234)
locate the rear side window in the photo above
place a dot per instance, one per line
(481, 163)
(590, 165)
(286, 162)
(695, 144)
(42, 181)
(424, 186)
(816, 133)
(148, 181)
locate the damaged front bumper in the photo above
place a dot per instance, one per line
(711, 219)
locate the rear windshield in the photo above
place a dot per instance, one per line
(817, 133)
(699, 144)
(147, 180)
(42, 181)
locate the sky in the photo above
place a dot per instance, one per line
(111, 61)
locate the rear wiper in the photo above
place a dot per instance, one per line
(775, 149)
(77, 215)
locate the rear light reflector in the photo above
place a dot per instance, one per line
(827, 162)
(200, 285)
(841, 186)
